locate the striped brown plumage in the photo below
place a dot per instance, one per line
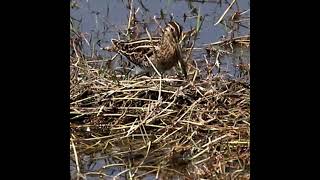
(164, 52)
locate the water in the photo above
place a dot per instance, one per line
(101, 20)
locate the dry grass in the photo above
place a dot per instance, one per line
(200, 128)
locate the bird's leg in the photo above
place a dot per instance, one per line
(183, 67)
(159, 97)
(182, 63)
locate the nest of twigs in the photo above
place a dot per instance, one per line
(199, 128)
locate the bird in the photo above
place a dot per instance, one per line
(163, 52)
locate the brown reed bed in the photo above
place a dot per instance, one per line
(199, 129)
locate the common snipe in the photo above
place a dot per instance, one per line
(164, 52)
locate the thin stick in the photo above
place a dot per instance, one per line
(130, 17)
(217, 63)
(155, 20)
(75, 156)
(145, 157)
(225, 12)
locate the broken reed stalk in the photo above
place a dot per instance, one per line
(188, 125)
